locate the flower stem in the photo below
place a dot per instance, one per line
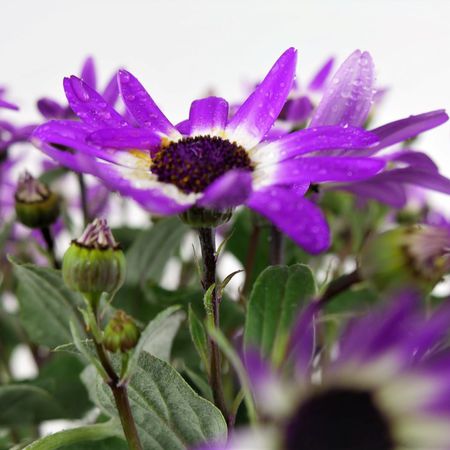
(207, 243)
(50, 243)
(120, 394)
(339, 285)
(276, 246)
(84, 199)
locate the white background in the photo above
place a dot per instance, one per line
(180, 49)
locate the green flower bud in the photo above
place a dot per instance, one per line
(36, 205)
(94, 263)
(202, 218)
(121, 333)
(408, 256)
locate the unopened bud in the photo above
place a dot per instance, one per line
(94, 263)
(407, 256)
(36, 205)
(121, 333)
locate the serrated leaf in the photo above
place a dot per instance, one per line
(152, 248)
(46, 305)
(167, 412)
(276, 297)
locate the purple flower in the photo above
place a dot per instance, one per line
(385, 388)
(347, 101)
(209, 162)
(51, 109)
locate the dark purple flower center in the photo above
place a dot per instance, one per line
(339, 419)
(193, 163)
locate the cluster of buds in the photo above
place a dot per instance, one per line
(36, 205)
(416, 256)
(94, 263)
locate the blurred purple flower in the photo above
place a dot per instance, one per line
(386, 387)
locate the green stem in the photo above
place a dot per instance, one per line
(276, 246)
(50, 243)
(119, 392)
(84, 199)
(207, 243)
(250, 258)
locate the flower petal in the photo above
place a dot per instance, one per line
(392, 194)
(313, 140)
(230, 190)
(208, 116)
(142, 107)
(348, 97)
(417, 177)
(51, 109)
(403, 129)
(111, 92)
(65, 139)
(300, 219)
(90, 106)
(321, 77)
(319, 169)
(258, 113)
(296, 110)
(88, 74)
(125, 138)
(8, 105)
(141, 186)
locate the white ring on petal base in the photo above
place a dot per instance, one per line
(144, 179)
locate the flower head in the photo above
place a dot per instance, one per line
(385, 388)
(210, 161)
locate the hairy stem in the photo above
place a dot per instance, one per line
(276, 246)
(207, 243)
(120, 394)
(50, 243)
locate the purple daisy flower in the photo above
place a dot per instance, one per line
(211, 162)
(347, 101)
(386, 388)
(52, 109)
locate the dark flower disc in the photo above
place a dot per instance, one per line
(339, 419)
(193, 163)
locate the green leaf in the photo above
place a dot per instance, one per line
(151, 250)
(157, 337)
(167, 412)
(198, 336)
(276, 297)
(26, 404)
(46, 305)
(60, 377)
(82, 438)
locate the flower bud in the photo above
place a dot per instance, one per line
(94, 263)
(36, 205)
(121, 333)
(415, 256)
